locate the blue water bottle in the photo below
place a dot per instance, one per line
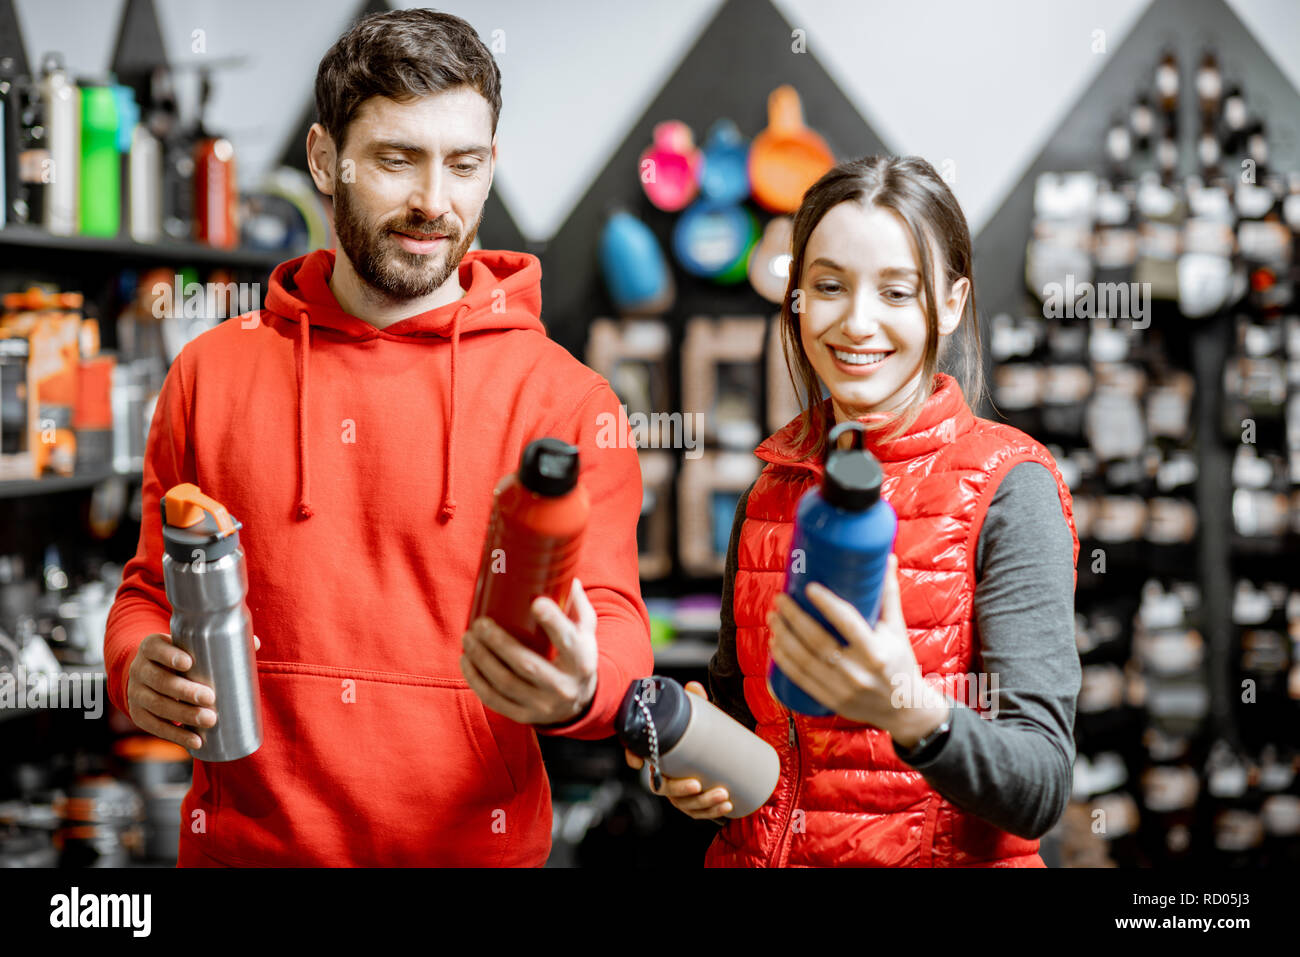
(843, 534)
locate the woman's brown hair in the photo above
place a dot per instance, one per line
(911, 188)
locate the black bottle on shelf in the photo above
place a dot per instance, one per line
(1232, 803)
(1119, 148)
(32, 152)
(10, 142)
(1256, 147)
(1209, 151)
(163, 118)
(1167, 150)
(1166, 83)
(1142, 122)
(1235, 118)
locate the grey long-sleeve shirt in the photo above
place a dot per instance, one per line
(1014, 770)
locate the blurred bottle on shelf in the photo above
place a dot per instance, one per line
(1167, 83)
(177, 148)
(61, 102)
(142, 363)
(1209, 88)
(10, 142)
(144, 185)
(99, 196)
(215, 195)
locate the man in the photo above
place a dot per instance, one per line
(356, 427)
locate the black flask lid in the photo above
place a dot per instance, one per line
(853, 476)
(668, 706)
(549, 467)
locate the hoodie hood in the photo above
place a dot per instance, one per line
(502, 291)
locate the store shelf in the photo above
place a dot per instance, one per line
(172, 251)
(685, 653)
(1247, 546)
(23, 488)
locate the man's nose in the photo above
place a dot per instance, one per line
(430, 198)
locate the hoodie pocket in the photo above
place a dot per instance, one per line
(362, 768)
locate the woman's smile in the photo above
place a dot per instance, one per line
(858, 361)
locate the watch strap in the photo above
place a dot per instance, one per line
(927, 746)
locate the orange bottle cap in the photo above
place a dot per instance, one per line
(184, 506)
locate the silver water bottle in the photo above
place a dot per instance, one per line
(206, 582)
(684, 736)
(61, 98)
(144, 174)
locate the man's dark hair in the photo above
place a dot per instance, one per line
(402, 54)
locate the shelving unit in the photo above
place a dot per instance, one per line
(52, 509)
(22, 241)
(22, 488)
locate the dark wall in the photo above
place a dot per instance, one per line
(743, 54)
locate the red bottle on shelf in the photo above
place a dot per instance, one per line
(539, 516)
(216, 196)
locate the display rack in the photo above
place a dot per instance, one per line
(35, 510)
(1187, 29)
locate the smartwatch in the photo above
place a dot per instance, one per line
(928, 746)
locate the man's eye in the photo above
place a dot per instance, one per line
(393, 163)
(465, 167)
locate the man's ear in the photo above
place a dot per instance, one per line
(954, 306)
(322, 160)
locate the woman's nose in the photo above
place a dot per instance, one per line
(862, 322)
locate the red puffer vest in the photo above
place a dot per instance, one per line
(845, 798)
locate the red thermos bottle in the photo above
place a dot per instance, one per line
(216, 196)
(539, 515)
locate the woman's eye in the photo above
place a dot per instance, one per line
(899, 295)
(829, 288)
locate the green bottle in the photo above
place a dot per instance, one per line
(100, 182)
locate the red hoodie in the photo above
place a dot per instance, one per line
(361, 464)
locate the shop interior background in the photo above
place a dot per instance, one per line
(1198, 591)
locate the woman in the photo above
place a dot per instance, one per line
(978, 608)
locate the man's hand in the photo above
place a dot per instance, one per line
(157, 696)
(522, 685)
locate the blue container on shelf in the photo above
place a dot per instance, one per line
(635, 269)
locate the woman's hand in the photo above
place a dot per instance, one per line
(684, 793)
(875, 679)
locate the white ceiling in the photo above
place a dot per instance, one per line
(981, 85)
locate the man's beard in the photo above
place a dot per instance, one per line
(383, 264)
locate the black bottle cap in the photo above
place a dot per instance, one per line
(669, 707)
(549, 467)
(853, 476)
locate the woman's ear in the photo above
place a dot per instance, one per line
(952, 308)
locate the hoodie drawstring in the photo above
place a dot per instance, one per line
(304, 337)
(448, 464)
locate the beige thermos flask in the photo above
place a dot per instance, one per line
(684, 736)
